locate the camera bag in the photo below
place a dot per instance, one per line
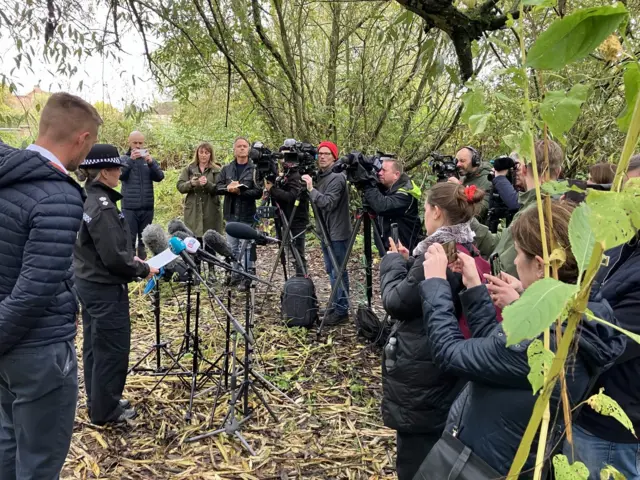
(298, 303)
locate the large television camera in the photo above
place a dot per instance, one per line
(299, 156)
(497, 208)
(266, 162)
(360, 169)
(443, 166)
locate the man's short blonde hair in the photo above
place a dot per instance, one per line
(65, 115)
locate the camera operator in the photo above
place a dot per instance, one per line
(506, 181)
(289, 189)
(237, 182)
(502, 243)
(474, 172)
(395, 199)
(331, 196)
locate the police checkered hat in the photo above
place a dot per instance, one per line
(102, 155)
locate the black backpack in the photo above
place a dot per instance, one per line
(298, 303)
(371, 328)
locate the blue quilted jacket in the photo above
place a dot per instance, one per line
(40, 215)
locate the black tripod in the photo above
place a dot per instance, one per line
(363, 215)
(158, 347)
(231, 424)
(190, 345)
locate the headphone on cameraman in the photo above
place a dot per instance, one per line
(475, 156)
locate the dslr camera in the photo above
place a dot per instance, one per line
(361, 170)
(443, 166)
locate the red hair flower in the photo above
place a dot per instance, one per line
(469, 192)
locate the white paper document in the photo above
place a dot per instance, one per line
(162, 259)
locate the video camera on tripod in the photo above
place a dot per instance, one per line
(498, 209)
(266, 162)
(299, 156)
(360, 169)
(443, 166)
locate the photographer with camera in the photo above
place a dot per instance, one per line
(395, 199)
(287, 190)
(237, 182)
(502, 243)
(331, 196)
(473, 172)
(503, 199)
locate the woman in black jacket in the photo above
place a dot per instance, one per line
(104, 264)
(492, 412)
(416, 393)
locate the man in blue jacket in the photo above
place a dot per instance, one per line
(40, 215)
(139, 171)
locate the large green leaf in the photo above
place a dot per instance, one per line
(581, 237)
(610, 222)
(540, 360)
(478, 123)
(564, 471)
(631, 88)
(560, 110)
(473, 101)
(521, 141)
(538, 307)
(605, 405)
(574, 37)
(558, 187)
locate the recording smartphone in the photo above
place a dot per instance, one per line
(394, 232)
(496, 265)
(143, 152)
(451, 251)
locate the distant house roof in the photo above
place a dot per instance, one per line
(20, 102)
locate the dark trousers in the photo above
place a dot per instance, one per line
(38, 395)
(138, 220)
(412, 449)
(105, 348)
(341, 299)
(299, 244)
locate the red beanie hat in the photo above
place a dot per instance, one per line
(331, 146)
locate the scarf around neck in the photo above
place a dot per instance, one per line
(460, 233)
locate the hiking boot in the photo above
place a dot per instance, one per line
(124, 403)
(335, 318)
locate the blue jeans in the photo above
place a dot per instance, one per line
(596, 453)
(341, 298)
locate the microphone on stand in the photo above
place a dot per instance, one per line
(216, 243)
(245, 232)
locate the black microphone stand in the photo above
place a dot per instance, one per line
(231, 424)
(159, 346)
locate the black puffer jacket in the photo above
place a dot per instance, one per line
(239, 207)
(40, 214)
(416, 394)
(137, 182)
(491, 414)
(619, 284)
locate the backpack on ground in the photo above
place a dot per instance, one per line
(298, 303)
(369, 326)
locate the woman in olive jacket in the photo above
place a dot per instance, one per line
(198, 181)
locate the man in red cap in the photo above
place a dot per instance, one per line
(331, 196)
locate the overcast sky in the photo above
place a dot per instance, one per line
(102, 79)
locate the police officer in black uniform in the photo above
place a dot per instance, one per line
(104, 264)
